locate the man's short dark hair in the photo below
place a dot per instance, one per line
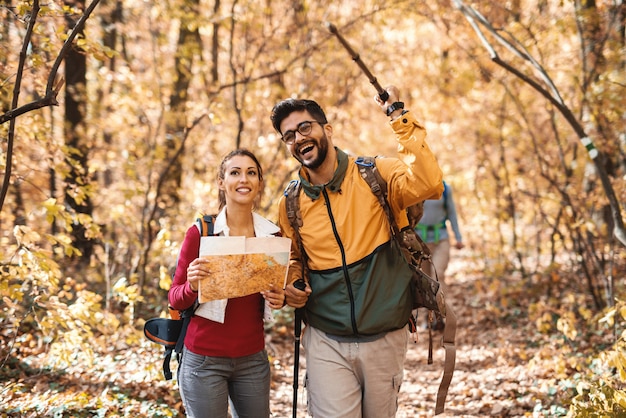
(288, 106)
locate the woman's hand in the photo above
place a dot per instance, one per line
(275, 297)
(197, 270)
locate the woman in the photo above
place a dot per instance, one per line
(224, 355)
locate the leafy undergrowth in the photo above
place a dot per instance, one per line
(505, 367)
(125, 383)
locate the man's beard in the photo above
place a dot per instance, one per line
(322, 148)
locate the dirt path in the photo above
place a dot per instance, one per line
(490, 377)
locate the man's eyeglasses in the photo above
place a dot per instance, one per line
(304, 128)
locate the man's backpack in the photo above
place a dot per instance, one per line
(427, 292)
(170, 332)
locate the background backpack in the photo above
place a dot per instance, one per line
(170, 332)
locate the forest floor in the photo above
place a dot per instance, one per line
(503, 369)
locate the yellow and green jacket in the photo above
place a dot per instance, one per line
(360, 282)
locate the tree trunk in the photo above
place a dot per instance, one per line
(215, 44)
(111, 16)
(77, 158)
(189, 47)
(167, 198)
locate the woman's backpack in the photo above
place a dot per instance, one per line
(170, 332)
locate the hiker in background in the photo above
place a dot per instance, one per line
(357, 300)
(433, 229)
(224, 356)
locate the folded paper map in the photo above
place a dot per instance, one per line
(242, 266)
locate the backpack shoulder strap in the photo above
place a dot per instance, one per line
(371, 175)
(292, 204)
(407, 238)
(205, 225)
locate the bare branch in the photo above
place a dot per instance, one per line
(37, 104)
(68, 44)
(472, 14)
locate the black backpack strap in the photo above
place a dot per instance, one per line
(167, 372)
(164, 331)
(185, 317)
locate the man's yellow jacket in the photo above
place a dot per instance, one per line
(359, 279)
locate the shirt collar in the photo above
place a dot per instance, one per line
(262, 226)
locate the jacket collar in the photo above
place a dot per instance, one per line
(334, 185)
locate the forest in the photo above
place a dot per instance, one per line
(114, 115)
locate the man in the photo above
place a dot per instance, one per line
(357, 301)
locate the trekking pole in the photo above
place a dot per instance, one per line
(300, 285)
(355, 56)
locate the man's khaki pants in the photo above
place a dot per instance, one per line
(354, 380)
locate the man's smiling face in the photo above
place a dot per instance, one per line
(310, 149)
